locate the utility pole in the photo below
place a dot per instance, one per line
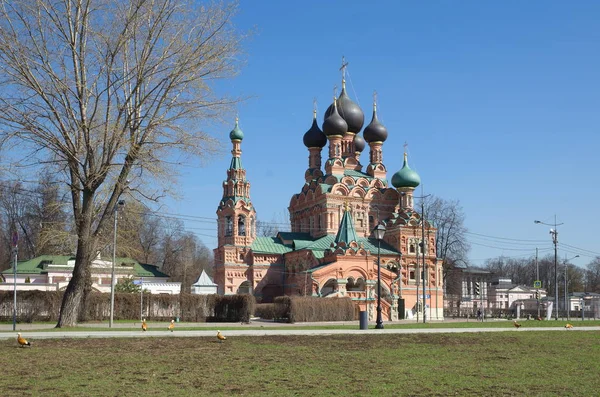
(423, 246)
(537, 278)
(554, 234)
(15, 241)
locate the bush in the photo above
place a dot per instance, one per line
(309, 308)
(269, 311)
(233, 308)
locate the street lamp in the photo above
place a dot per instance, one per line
(120, 203)
(378, 232)
(568, 308)
(554, 234)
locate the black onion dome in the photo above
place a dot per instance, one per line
(350, 112)
(334, 124)
(375, 131)
(359, 143)
(314, 137)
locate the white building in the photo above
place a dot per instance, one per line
(53, 273)
(204, 285)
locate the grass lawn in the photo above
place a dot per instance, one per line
(490, 364)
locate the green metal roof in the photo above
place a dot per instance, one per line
(269, 245)
(147, 270)
(346, 232)
(295, 236)
(36, 265)
(235, 199)
(236, 164)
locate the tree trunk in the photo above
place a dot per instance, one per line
(78, 287)
(76, 290)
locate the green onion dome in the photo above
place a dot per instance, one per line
(406, 177)
(236, 133)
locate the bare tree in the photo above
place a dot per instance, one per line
(451, 243)
(280, 222)
(108, 92)
(592, 276)
(184, 255)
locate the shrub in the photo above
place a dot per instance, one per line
(269, 311)
(233, 308)
(309, 308)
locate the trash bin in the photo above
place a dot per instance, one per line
(363, 321)
(176, 319)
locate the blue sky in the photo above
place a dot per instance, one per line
(499, 103)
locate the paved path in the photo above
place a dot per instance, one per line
(271, 331)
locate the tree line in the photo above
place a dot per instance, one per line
(524, 271)
(40, 214)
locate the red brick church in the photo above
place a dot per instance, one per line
(331, 250)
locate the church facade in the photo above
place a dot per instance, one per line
(331, 250)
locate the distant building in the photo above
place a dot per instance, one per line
(53, 273)
(204, 285)
(504, 294)
(590, 301)
(467, 290)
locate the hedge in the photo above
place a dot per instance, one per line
(308, 308)
(45, 306)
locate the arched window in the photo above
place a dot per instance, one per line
(411, 249)
(241, 225)
(228, 226)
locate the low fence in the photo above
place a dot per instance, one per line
(45, 306)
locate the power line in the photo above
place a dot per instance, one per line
(579, 249)
(506, 238)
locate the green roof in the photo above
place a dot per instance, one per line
(236, 164)
(319, 246)
(287, 236)
(346, 232)
(269, 245)
(147, 270)
(358, 174)
(37, 265)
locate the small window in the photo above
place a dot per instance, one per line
(241, 225)
(229, 226)
(411, 249)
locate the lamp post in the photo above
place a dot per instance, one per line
(15, 241)
(378, 232)
(554, 234)
(423, 245)
(120, 203)
(568, 308)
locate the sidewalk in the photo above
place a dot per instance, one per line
(160, 324)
